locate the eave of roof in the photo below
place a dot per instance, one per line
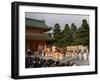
(47, 29)
(32, 36)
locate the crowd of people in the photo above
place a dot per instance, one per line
(58, 54)
(80, 55)
(37, 60)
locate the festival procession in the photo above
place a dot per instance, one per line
(48, 46)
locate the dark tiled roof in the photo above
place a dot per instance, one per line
(34, 23)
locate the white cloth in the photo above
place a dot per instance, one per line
(85, 56)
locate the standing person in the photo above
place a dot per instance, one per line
(66, 54)
(85, 56)
(76, 55)
(43, 54)
(80, 55)
(87, 51)
(72, 54)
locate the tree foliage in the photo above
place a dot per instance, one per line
(71, 35)
(83, 33)
(57, 31)
(57, 34)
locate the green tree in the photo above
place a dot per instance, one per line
(71, 35)
(57, 31)
(83, 33)
(67, 36)
(74, 34)
(57, 34)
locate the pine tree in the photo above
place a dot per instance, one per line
(83, 33)
(57, 34)
(67, 36)
(74, 34)
(57, 31)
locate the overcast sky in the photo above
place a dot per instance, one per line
(62, 19)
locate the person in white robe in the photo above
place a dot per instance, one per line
(80, 55)
(85, 56)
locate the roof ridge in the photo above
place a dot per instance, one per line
(36, 19)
